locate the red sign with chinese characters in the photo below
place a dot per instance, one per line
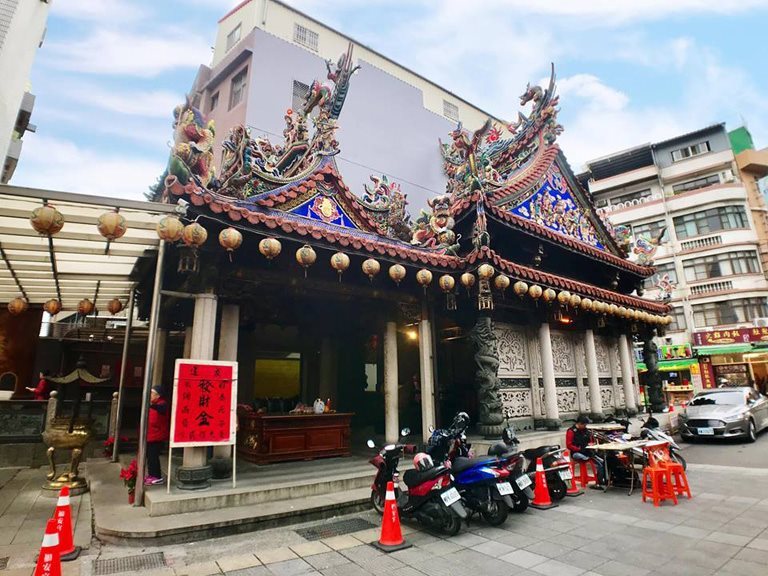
(707, 373)
(204, 398)
(735, 336)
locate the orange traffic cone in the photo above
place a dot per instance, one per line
(63, 516)
(48, 563)
(541, 499)
(391, 538)
(573, 490)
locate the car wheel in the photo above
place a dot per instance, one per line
(752, 432)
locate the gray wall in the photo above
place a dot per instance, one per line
(383, 128)
(717, 137)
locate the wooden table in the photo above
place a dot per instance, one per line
(605, 427)
(619, 447)
(266, 438)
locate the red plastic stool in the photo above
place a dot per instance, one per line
(587, 472)
(657, 485)
(679, 478)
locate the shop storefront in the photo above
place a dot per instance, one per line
(680, 371)
(736, 357)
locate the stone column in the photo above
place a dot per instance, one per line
(426, 364)
(157, 368)
(229, 332)
(195, 473)
(187, 342)
(615, 366)
(327, 384)
(627, 375)
(593, 380)
(548, 375)
(391, 417)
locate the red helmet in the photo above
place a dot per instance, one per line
(422, 461)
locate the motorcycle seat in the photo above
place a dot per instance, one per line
(461, 464)
(533, 453)
(415, 477)
(502, 451)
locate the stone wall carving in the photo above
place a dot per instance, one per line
(567, 400)
(517, 402)
(513, 350)
(606, 396)
(601, 351)
(562, 353)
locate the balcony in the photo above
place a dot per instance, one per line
(722, 286)
(699, 243)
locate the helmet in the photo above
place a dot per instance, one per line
(508, 435)
(461, 421)
(422, 462)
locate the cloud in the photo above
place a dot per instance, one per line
(60, 164)
(126, 53)
(592, 90)
(147, 104)
(99, 10)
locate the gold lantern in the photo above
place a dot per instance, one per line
(667, 320)
(613, 310)
(46, 220)
(520, 288)
(52, 306)
(114, 306)
(18, 306)
(371, 267)
(535, 292)
(194, 235)
(447, 284)
(397, 273)
(85, 307)
(485, 271)
(564, 297)
(112, 225)
(502, 282)
(575, 301)
(644, 316)
(467, 280)
(586, 304)
(270, 248)
(340, 263)
(230, 239)
(306, 256)
(622, 312)
(170, 229)
(549, 295)
(424, 278)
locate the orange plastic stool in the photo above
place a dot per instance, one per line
(679, 478)
(587, 472)
(657, 485)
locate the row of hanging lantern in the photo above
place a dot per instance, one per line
(46, 220)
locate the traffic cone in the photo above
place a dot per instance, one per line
(391, 538)
(541, 499)
(48, 562)
(573, 490)
(63, 516)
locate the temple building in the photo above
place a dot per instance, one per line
(507, 296)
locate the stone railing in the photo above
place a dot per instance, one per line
(723, 286)
(707, 242)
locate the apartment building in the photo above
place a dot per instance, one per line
(697, 195)
(22, 29)
(266, 56)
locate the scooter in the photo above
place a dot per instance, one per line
(513, 460)
(556, 467)
(650, 430)
(429, 495)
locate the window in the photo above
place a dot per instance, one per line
(237, 89)
(233, 37)
(638, 195)
(696, 184)
(729, 264)
(450, 111)
(300, 91)
(729, 311)
(649, 230)
(214, 101)
(661, 270)
(712, 220)
(304, 36)
(690, 151)
(678, 319)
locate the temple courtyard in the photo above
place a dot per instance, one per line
(722, 530)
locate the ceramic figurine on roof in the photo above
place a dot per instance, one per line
(435, 229)
(665, 287)
(386, 203)
(645, 248)
(192, 153)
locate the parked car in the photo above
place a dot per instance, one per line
(725, 413)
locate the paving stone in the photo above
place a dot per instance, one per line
(613, 568)
(753, 555)
(250, 571)
(726, 538)
(494, 549)
(341, 542)
(581, 559)
(441, 547)
(232, 563)
(523, 558)
(690, 531)
(759, 544)
(202, 569)
(742, 568)
(296, 567)
(275, 555)
(467, 539)
(555, 568)
(548, 549)
(309, 549)
(327, 560)
(655, 525)
(346, 570)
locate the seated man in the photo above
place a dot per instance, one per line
(577, 438)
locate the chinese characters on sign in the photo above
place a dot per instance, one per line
(735, 336)
(203, 403)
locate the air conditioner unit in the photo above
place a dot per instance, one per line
(760, 322)
(727, 176)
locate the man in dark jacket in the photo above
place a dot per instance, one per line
(577, 438)
(157, 434)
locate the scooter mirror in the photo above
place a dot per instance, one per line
(431, 429)
(627, 436)
(371, 444)
(405, 432)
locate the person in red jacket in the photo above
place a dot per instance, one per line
(157, 434)
(43, 388)
(577, 438)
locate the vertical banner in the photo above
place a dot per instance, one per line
(707, 372)
(204, 403)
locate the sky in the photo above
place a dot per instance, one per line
(629, 72)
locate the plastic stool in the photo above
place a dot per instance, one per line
(657, 485)
(679, 478)
(587, 472)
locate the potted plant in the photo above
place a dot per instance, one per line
(109, 445)
(128, 476)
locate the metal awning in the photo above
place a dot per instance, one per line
(723, 349)
(77, 262)
(670, 365)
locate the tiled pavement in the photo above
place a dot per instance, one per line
(722, 530)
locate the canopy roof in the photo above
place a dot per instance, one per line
(76, 262)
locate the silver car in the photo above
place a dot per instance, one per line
(725, 413)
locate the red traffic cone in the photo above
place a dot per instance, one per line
(391, 538)
(573, 490)
(48, 562)
(63, 516)
(541, 499)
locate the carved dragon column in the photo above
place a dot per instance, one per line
(491, 416)
(652, 376)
